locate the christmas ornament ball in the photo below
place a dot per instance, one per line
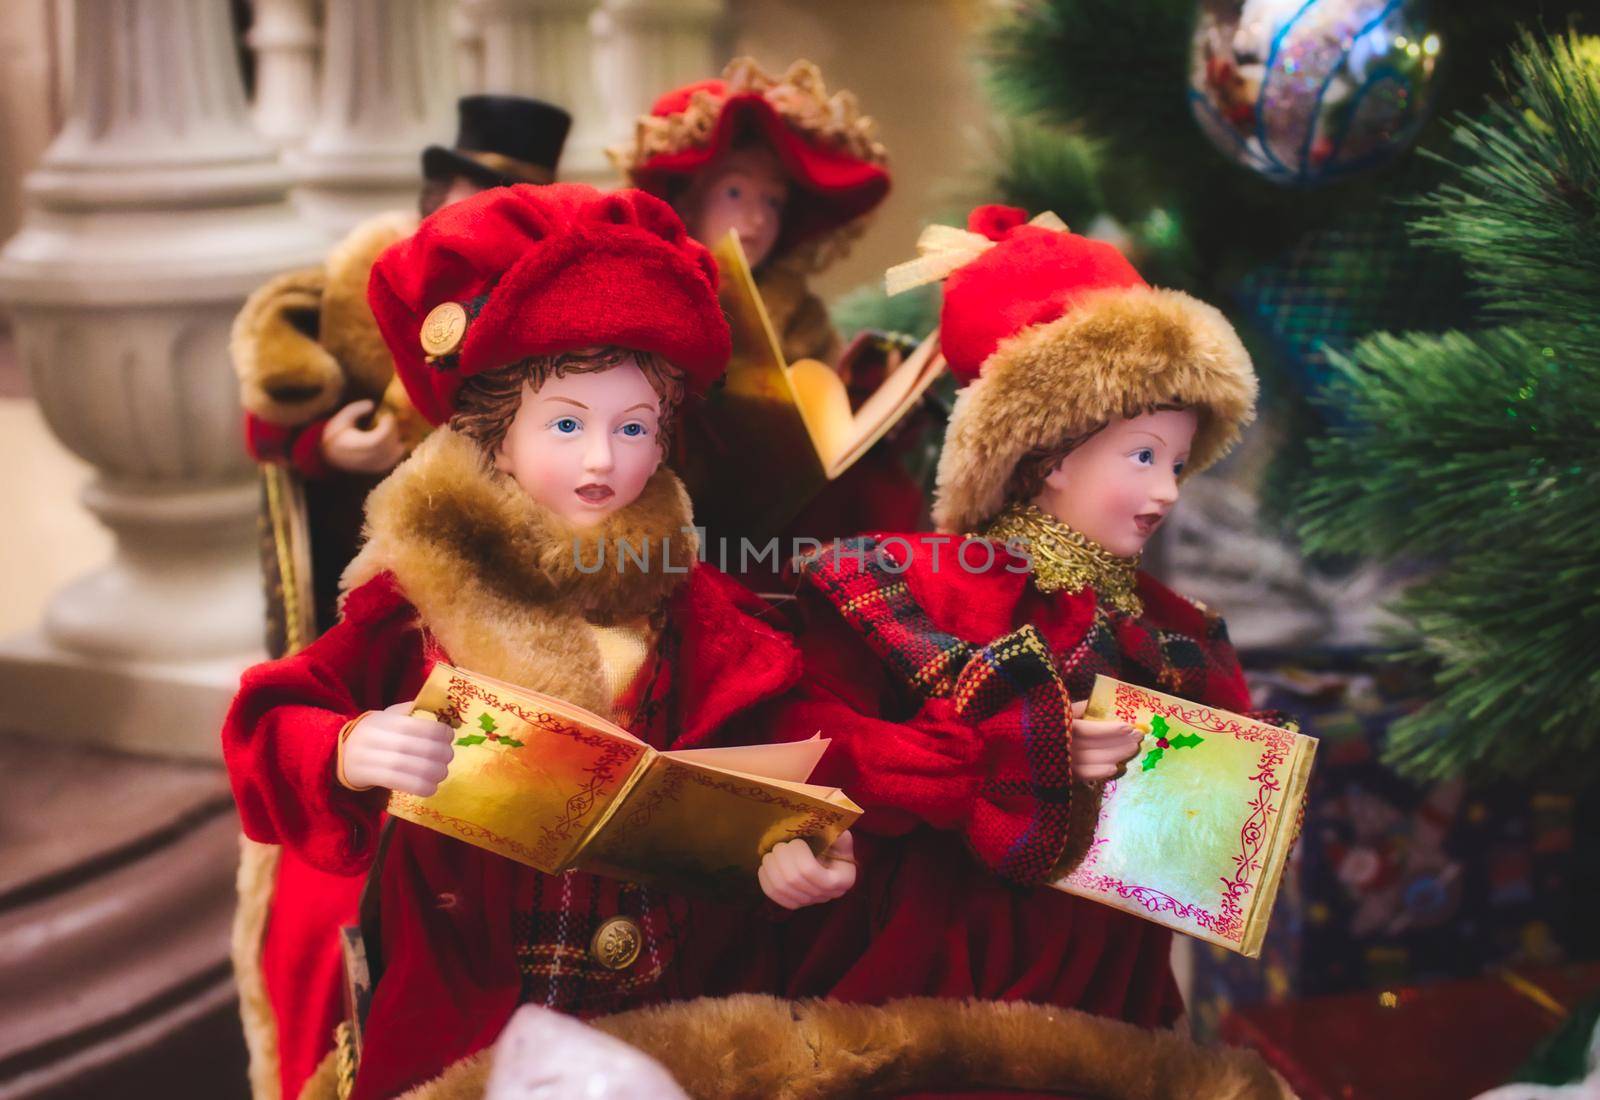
(1308, 91)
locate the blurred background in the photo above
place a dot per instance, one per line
(1398, 203)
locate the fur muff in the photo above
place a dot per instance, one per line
(763, 1048)
(306, 342)
(1113, 354)
(504, 584)
(349, 331)
(285, 376)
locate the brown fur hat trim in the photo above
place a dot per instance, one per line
(1114, 354)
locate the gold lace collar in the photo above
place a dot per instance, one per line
(1065, 561)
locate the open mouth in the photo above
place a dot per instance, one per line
(595, 494)
(1148, 521)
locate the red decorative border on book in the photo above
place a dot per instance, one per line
(760, 794)
(668, 788)
(601, 773)
(1228, 922)
(469, 831)
(463, 689)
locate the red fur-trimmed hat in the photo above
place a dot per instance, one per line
(824, 142)
(521, 271)
(1053, 334)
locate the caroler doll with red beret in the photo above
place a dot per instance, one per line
(553, 332)
(951, 670)
(791, 169)
(795, 172)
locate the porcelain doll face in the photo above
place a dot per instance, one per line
(744, 190)
(584, 444)
(1119, 484)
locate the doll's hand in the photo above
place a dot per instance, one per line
(389, 748)
(1100, 746)
(346, 445)
(794, 877)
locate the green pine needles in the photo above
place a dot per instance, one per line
(1477, 453)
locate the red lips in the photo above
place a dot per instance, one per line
(595, 493)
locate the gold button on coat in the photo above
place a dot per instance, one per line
(616, 943)
(444, 328)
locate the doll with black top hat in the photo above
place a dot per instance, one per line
(323, 409)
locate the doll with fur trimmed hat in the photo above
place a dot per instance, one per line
(952, 668)
(794, 171)
(552, 332)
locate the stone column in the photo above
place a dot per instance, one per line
(285, 39)
(153, 214)
(469, 49)
(545, 49)
(647, 47)
(388, 90)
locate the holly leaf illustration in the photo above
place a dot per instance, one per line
(471, 739)
(511, 742)
(1152, 757)
(1158, 726)
(487, 722)
(1186, 741)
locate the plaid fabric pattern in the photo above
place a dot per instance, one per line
(858, 577)
(554, 932)
(558, 915)
(1010, 690)
(1017, 692)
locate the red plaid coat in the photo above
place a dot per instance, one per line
(964, 781)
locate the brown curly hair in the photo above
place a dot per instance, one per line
(488, 402)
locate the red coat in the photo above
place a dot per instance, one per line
(468, 935)
(927, 917)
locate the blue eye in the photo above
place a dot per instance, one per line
(566, 425)
(633, 429)
(733, 191)
(1177, 468)
(1144, 456)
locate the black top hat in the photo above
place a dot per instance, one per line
(501, 140)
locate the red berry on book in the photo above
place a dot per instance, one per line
(1161, 742)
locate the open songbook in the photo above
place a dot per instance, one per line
(1196, 833)
(774, 433)
(554, 786)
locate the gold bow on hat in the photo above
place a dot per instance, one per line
(942, 249)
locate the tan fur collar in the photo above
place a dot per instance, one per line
(500, 581)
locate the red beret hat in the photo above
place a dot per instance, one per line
(521, 271)
(824, 143)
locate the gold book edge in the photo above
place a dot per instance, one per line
(602, 819)
(1276, 863)
(836, 811)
